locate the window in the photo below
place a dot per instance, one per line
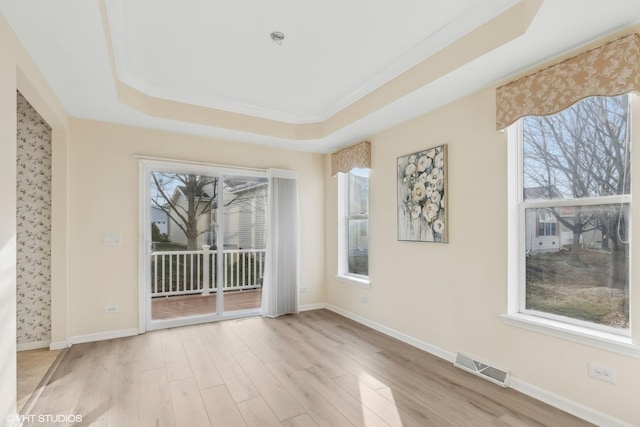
(546, 223)
(353, 239)
(573, 204)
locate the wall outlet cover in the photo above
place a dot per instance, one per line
(602, 373)
(111, 309)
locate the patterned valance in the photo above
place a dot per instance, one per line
(354, 156)
(609, 70)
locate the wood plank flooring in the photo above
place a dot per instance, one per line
(313, 369)
(32, 367)
(194, 305)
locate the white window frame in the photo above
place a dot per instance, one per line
(583, 332)
(343, 238)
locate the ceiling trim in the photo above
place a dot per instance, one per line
(507, 26)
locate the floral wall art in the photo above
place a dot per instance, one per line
(33, 240)
(422, 196)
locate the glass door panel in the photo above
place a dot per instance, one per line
(183, 259)
(244, 242)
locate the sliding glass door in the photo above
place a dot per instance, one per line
(203, 243)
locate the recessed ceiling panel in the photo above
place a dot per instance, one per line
(219, 54)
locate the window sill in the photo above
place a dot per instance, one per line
(355, 281)
(603, 340)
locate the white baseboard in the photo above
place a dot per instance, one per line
(581, 411)
(58, 345)
(574, 408)
(308, 307)
(32, 345)
(436, 351)
(101, 336)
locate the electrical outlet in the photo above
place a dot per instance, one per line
(111, 309)
(363, 299)
(303, 289)
(111, 239)
(602, 373)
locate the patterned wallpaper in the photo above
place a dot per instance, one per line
(34, 226)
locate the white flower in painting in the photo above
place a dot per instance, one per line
(438, 226)
(423, 177)
(429, 191)
(430, 212)
(412, 158)
(423, 163)
(419, 192)
(439, 160)
(442, 202)
(434, 176)
(431, 153)
(435, 197)
(416, 211)
(440, 185)
(410, 169)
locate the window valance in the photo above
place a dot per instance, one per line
(354, 156)
(608, 70)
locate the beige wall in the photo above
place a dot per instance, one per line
(452, 295)
(17, 71)
(103, 198)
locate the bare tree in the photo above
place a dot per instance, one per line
(583, 152)
(198, 201)
(200, 198)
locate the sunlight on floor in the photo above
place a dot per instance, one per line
(372, 400)
(32, 367)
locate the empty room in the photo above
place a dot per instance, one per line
(286, 213)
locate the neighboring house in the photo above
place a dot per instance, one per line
(160, 219)
(545, 233)
(244, 215)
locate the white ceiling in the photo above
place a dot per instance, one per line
(218, 54)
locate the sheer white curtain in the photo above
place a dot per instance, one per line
(282, 271)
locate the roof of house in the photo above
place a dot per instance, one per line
(546, 192)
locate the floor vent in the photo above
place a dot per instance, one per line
(491, 373)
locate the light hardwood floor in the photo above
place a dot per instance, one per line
(32, 367)
(313, 369)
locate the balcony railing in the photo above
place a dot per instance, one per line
(195, 272)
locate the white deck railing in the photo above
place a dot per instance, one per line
(194, 272)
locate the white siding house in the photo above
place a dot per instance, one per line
(244, 216)
(544, 233)
(160, 219)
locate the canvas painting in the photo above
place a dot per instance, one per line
(422, 196)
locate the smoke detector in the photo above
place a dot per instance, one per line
(277, 37)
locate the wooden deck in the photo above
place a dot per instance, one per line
(194, 305)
